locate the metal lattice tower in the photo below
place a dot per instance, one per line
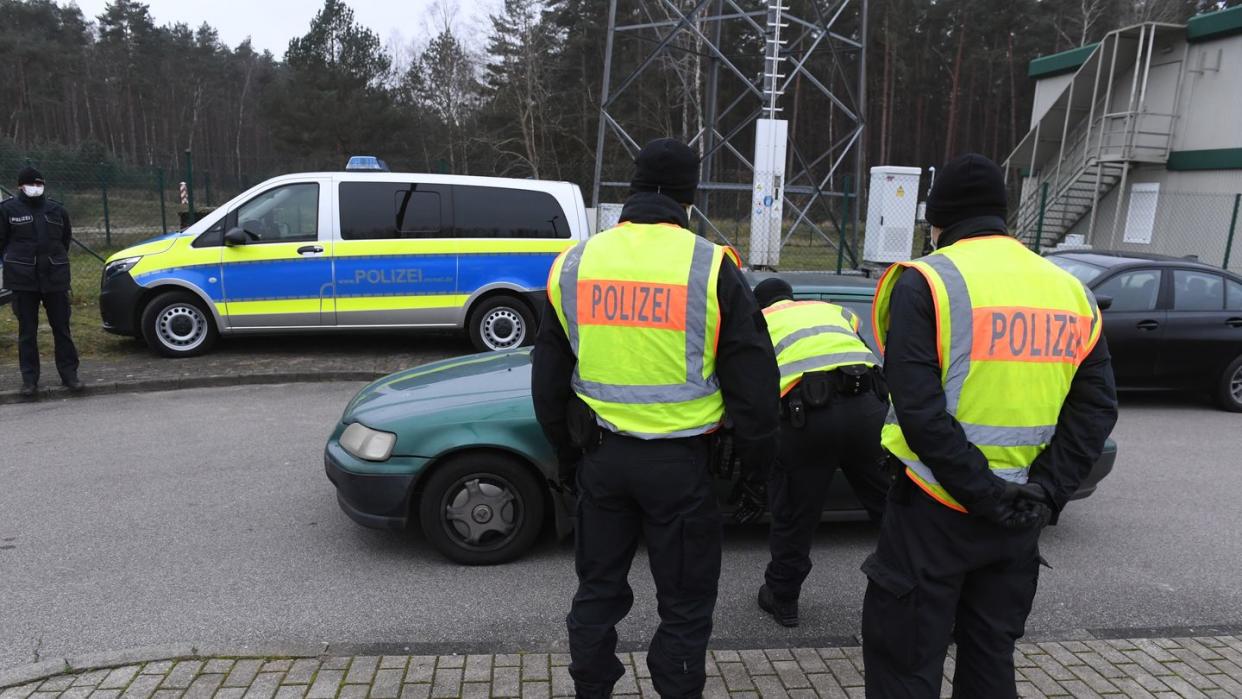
(801, 60)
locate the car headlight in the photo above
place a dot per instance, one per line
(120, 266)
(366, 443)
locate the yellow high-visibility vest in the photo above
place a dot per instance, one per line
(814, 336)
(638, 304)
(1012, 330)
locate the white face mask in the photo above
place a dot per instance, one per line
(32, 190)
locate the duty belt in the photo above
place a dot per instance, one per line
(816, 389)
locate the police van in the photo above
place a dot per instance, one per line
(363, 248)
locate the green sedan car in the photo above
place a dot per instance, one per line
(454, 446)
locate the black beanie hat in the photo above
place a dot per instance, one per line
(668, 166)
(771, 290)
(29, 175)
(968, 186)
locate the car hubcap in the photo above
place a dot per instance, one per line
(482, 512)
(1235, 385)
(503, 328)
(181, 327)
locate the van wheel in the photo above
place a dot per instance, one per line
(1229, 389)
(175, 324)
(501, 323)
(481, 509)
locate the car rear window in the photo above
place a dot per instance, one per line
(1085, 271)
(1198, 291)
(1233, 302)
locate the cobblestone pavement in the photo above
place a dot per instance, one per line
(275, 359)
(1145, 667)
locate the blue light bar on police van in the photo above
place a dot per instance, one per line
(367, 163)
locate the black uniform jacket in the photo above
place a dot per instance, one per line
(34, 244)
(745, 362)
(912, 367)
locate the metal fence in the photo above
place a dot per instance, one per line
(112, 205)
(1200, 225)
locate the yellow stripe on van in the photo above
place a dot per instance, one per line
(397, 303)
(250, 308)
(448, 246)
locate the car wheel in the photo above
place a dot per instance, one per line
(1229, 390)
(481, 509)
(501, 323)
(175, 324)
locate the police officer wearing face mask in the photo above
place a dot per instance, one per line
(34, 244)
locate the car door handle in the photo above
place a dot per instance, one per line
(1234, 322)
(310, 250)
(1147, 325)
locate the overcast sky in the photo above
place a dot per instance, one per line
(272, 23)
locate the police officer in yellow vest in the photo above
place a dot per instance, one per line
(650, 334)
(833, 405)
(1003, 396)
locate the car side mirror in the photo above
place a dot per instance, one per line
(1104, 302)
(235, 236)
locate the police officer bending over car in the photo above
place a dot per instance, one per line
(833, 403)
(1003, 397)
(34, 243)
(627, 361)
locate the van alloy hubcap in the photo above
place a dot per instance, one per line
(181, 327)
(482, 512)
(503, 328)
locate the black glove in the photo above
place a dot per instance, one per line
(1021, 506)
(567, 461)
(751, 497)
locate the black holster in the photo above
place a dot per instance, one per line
(584, 430)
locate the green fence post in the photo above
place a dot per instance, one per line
(103, 186)
(1039, 223)
(159, 190)
(189, 187)
(845, 218)
(1233, 227)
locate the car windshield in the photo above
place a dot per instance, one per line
(1085, 271)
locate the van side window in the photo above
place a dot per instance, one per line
(388, 210)
(212, 237)
(501, 212)
(286, 214)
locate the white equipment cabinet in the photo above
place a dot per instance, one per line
(892, 205)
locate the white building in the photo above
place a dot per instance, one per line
(1135, 142)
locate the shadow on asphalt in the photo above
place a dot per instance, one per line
(366, 343)
(411, 546)
(1189, 400)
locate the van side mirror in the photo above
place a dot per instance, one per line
(1104, 302)
(235, 236)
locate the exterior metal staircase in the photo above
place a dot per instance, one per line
(1093, 133)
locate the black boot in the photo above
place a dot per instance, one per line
(74, 384)
(785, 613)
(29, 389)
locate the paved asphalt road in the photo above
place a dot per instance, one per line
(205, 515)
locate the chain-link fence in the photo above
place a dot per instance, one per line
(112, 205)
(1199, 225)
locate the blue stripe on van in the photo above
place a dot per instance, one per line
(527, 271)
(388, 275)
(396, 275)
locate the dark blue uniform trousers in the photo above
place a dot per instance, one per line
(658, 491)
(939, 575)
